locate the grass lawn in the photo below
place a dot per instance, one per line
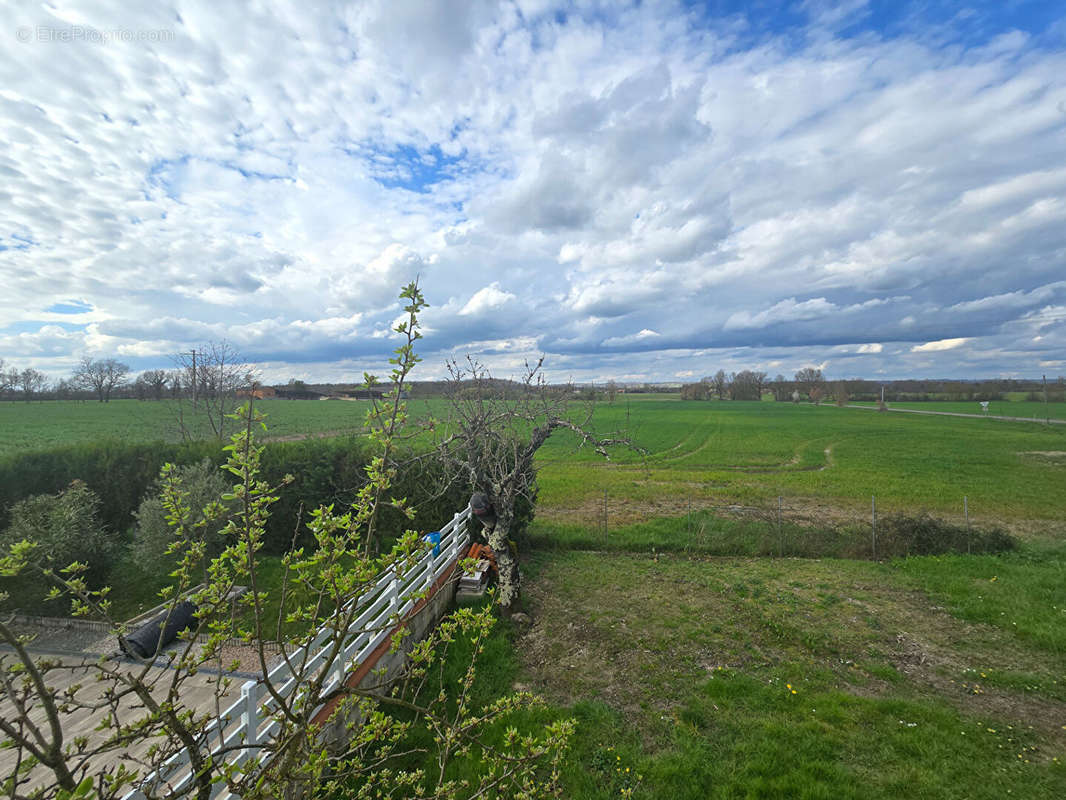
(726, 678)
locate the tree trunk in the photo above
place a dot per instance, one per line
(506, 560)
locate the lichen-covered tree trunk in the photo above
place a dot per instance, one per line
(506, 559)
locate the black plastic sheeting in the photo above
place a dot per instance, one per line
(483, 510)
(145, 642)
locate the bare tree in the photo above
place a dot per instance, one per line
(9, 380)
(612, 391)
(493, 434)
(174, 383)
(808, 379)
(696, 391)
(152, 384)
(101, 375)
(31, 381)
(747, 385)
(840, 393)
(63, 389)
(760, 382)
(212, 375)
(720, 383)
(781, 389)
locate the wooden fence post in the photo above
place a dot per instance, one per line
(604, 519)
(966, 511)
(780, 535)
(394, 593)
(873, 526)
(453, 550)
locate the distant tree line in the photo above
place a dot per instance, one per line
(215, 373)
(24, 384)
(212, 371)
(810, 384)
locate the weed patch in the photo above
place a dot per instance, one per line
(759, 532)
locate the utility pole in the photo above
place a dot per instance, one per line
(194, 379)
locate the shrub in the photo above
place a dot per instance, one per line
(67, 528)
(204, 483)
(925, 535)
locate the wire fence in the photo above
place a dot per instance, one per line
(781, 527)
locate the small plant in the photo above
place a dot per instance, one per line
(621, 778)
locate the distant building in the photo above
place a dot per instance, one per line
(366, 394)
(296, 393)
(258, 393)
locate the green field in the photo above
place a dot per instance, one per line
(693, 676)
(34, 426)
(702, 454)
(698, 454)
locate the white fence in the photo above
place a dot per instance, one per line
(247, 726)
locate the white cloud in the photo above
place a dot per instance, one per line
(942, 344)
(486, 299)
(643, 336)
(870, 348)
(785, 311)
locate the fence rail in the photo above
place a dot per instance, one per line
(245, 728)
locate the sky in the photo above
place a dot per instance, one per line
(641, 191)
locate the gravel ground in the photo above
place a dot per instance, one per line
(76, 637)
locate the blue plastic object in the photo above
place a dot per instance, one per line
(433, 539)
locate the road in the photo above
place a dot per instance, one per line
(960, 414)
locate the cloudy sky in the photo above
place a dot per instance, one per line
(639, 191)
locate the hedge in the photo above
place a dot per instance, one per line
(324, 471)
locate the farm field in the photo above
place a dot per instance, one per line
(699, 454)
(38, 426)
(704, 454)
(696, 676)
(1027, 409)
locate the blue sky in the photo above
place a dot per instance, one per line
(646, 191)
